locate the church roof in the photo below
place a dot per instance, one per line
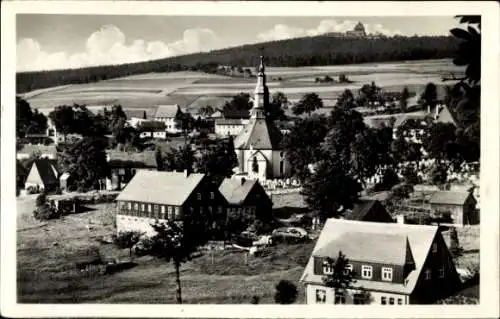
(259, 134)
(359, 27)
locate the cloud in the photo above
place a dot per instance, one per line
(108, 45)
(282, 31)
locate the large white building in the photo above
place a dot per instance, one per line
(258, 145)
(168, 115)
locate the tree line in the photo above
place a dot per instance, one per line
(309, 51)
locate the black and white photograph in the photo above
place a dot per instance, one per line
(253, 158)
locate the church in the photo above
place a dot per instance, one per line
(258, 145)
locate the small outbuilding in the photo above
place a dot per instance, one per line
(369, 210)
(460, 205)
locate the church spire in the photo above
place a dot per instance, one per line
(261, 93)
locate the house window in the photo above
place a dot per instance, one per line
(428, 274)
(441, 272)
(327, 268)
(129, 205)
(391, 301)
(386, 273)
(149, 208)
(212, 195)
(359, 299)
(348, 269)
(400, 301)
(155, 208)
(170, 212)
(136, 206)
(210, 210)
(163, 209)
(383, 300)
(198, 196)
(219, 209)
(366, 272)
(434, 247)
(143, 207)
(339, 298)
(177, 213)
(320, 296)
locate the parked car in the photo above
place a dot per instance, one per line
(246, 239)
(289, 234)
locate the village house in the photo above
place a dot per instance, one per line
(247, 197)
(153, 195)
(168, 114)
(396, 264)
(411, 127)
(225, 127)
(124, 165)
(258, 146)
(152, 129)
(42, 151)
(368, 210)
(460, 205)
(444, 115)
(43, 175)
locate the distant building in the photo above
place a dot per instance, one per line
(247, 197)
(258, 145)
(162, 196)
(444, 115)
(397, 264)
(233, 127)
(43, 175)
(32, 150)
(357, 32)
(369, 211)
(168, 114)
(460, 205)
(124, 165)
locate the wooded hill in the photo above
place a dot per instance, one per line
(308, 51)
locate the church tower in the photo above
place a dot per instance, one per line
(258, 146)
(261, 94)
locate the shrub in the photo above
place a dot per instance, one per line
(255, 300)
(143, 247)
(402, 190)
(127, 239)
(45, 212)
(286, 292)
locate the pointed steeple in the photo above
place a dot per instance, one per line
(261, 93)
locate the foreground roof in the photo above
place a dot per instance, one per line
(166, 188)
(337, 232)
(236, 190)
(449, 197)
(259, 134)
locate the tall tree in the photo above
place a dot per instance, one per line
(329, 190)
(239, 102)
(86, 162)
(286, 292)
(28, 120)
(403, 99)
(275, 109)
(429, 96)
(63, 118)
(346, 100)
(308, 104)
(176, 241)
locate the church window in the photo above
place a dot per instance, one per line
(281, 167)
(255, 165)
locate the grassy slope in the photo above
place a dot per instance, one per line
(46, 271)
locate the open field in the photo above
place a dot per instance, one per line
(46, 255)
(148, 90)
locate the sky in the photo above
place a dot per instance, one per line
(46, 42)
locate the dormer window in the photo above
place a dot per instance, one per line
(327, 268)
(441, 272)
(434, 247)
(212, 195)
(198, 196)
(366, 272)
(348, 269)
(427, 274)
(386, 273)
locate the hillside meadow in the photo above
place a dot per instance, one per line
(192, 90)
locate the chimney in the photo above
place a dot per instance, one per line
(186, 173)
(437, 112)
(243, 180)
(400, 219)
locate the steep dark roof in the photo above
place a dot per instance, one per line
(449, 198)
(47, 170)
(235, 191)
(361, 209)
(259, 134)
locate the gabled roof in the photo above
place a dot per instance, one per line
(166, 188)
(236, 190)
(446, 116)
(449, 197)
(222, 121)
(391, 248)
(419, 237)
(236, 114)
(362, 208)
(132, 159)
(400, 120)
(259, 134)
(168, 111)
(47, 170)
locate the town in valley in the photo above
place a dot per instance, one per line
(339, 168)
